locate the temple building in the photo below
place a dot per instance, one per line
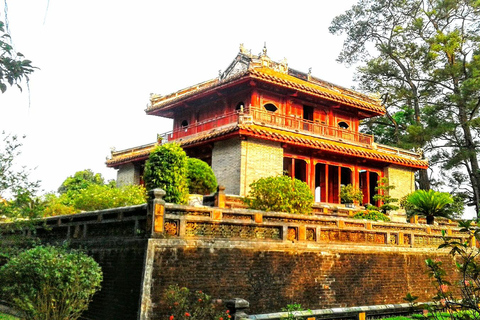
(261, 118)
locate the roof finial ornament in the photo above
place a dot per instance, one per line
(242, 49)
(309, 73)
(220, 74)
(264, 52)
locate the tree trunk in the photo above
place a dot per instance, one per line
(430, 219)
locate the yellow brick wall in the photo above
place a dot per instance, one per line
(402, 178)
(259, 159)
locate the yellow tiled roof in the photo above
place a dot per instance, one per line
(331, 92)
(276, 135)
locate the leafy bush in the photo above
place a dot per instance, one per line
(383, 188)
(94, 197)
(430, 204)
(371, 215)
(184, 304)
(201, 178)
(50, 283)
(166, 168)
(98, 197)
(280, 193)
(81, 180)
(349, 194)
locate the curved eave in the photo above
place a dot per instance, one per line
(330, 146)
(162, 106)
(297, 139)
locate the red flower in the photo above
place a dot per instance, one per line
(199, 300)
(229, 316)
(220, 318)
(228, 311)
(171, 317)
(187, 314)
(175, 303)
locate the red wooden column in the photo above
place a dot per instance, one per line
(339, 184)
(326, 183)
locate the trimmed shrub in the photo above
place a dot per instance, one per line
(50, 283)
(166, 168)
(371, 215)
(280, 193)
(201, 179)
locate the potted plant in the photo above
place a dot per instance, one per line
(350, 195)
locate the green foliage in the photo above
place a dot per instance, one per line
(50, 283)
(424, 58)
(166, 168)
(291, 311)
(430, 204)
(280, 193)
(371, 215)
(81, 180)
(98, 197)
(349, 194)
(383, 188)
(94, 197)
(184, 304)
(201, 179)
(15, 185)
(13, 67)
(461, 294)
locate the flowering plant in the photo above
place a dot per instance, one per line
(184, 304)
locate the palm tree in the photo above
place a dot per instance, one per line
(430, 204)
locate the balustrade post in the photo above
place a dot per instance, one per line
(220, 197)
(156, 212)
(237, 308)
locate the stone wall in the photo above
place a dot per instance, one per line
(128, 174)
(237, 163)
(117, 240)
(226, 164)
(270, 276)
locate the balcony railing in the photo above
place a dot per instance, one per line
(272, 119)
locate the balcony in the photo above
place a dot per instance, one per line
(274, 120)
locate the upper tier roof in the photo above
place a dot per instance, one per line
(261, 68)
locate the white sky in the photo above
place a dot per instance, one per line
(100, 60)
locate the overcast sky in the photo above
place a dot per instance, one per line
(100, 60)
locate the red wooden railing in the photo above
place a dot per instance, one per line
(271, 119)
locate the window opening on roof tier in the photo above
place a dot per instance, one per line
(343, 125)
(184, 124)
(240, 106)
(270, 107)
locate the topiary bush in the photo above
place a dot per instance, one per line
(50, 283)
(166, 168)
(371, 215)
(280, 193)
(200, 176)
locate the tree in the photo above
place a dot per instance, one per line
(15, 185)
(280, 193)
(50, 283)
(13, 67)
(424, 57)
(81, 180)
(200, 176)
(383, 189)
(87, 191)
(430, 204)
(166, 168)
